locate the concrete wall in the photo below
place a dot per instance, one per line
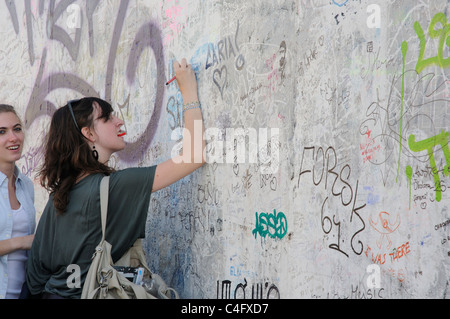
(343, 111)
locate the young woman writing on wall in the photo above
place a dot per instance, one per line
(82, 137)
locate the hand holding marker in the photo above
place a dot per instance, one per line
(194, 67)
(168, 82)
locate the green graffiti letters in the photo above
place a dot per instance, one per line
(444, 39)
(428, 145)
(439, 28)
(272, 225)
(404, 51)
(409, 173)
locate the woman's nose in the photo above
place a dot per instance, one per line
(12, 137)
(120, 122)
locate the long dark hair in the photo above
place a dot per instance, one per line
(67, 154)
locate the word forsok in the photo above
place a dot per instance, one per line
(340, 188)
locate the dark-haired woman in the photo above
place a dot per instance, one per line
(17, 213)
(82, 137)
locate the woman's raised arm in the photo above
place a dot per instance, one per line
(193, 155)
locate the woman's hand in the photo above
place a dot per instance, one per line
(17, 243)
(187, 83)
(26, 242)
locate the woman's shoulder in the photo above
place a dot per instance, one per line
(134, 172)
(131, 177)
(121, 179)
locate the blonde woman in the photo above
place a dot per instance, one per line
(17, 212)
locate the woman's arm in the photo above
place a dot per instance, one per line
(192, 156)
(17, 243)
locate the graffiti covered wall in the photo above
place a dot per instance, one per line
(328, 134)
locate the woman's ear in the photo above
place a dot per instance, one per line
(87, 134)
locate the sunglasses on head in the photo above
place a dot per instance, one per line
(69, 104)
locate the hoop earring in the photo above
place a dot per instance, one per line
(95, 153)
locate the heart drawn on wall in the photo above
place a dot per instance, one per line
(220, 79)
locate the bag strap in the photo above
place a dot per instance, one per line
(104, 192)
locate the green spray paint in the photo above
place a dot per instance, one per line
(409, 173)
(404, 51)
(443, 35)
(428, 145)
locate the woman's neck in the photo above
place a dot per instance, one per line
(8, 169)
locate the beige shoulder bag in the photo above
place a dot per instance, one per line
(130, 277)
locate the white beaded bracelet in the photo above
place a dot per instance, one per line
(191, 106)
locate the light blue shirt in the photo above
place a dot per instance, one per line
(25, 196)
